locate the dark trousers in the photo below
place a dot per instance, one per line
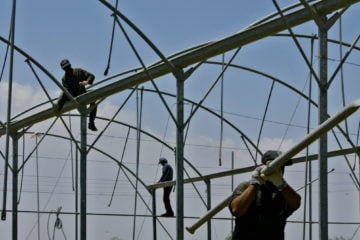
(92, 114)
(166, 199)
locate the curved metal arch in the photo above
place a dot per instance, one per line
(208, 62)
(333, 41)
(41, 67)
(96, 149)
(266, 76)
(173, 68)
(291, 88)
(147, 134)
(213, 113)
(251, 70)
(120, 165)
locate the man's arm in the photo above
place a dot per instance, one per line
(88, 78)
(291, 197)
(241, 203)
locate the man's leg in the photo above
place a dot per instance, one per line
(92, 117)
(60, 103)
(166, 199)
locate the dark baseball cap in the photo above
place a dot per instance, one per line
(271, 155)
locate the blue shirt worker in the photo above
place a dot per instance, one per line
(262, 204)
(167, 175)
(75, 80)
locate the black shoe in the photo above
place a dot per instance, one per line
(92, 126)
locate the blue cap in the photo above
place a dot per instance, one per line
(162, 160)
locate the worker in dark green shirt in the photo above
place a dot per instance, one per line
(262, 204)
(75, 80)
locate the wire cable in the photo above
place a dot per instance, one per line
(117, 175)
(22, 170)
(139, 104)
(265, 112)
(308, 165)
(5, 57)
(221, 108)
(111, 41)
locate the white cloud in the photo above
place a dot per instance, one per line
(23, 97)
(267, 143)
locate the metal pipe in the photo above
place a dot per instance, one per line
(312, 136)
(283, 158)
(209, 215)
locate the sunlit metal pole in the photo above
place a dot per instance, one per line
(83, 170)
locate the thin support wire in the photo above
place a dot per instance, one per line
(71, 155)
(355, 232)
(221, 108)
(5, 57)
(22, 170)
(145, 68)
(343, 60)
(42, 138)
(308, 165)
(342, 71)
(248, 149)
(118, 173)
(292, 115)
(37, 181)
(111, 41)
(139, 104)
(347, 160)
(112, 119)
(212, 86)
(264, 116)
(297, 43)
(52, 190)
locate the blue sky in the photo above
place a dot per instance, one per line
(81, 31)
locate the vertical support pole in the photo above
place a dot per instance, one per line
(153, 194)
(8, 116)
(76, 195)
(83, 171)
(208, 187)
(322, 116)
(180, 159)
(232, 186)
(15, 188)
